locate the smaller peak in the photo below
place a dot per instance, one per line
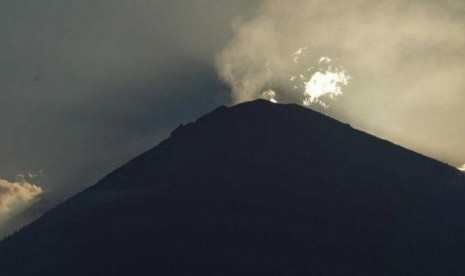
(257, 102)
(260, 104)
(261, 101)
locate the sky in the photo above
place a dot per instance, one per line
(86, 85)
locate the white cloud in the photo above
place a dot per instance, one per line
(322, 84)
(269, 95)
(15, 196)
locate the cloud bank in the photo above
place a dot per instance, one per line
(405, 59)
(15, 196)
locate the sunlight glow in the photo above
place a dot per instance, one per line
(321, 83)
(15, 196)
(269, 95)
(328, 83)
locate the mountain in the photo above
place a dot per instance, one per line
(256, 189)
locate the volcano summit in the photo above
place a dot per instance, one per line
(256, 189)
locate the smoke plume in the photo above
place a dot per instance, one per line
(396, 66)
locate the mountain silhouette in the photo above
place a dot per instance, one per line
(256, 189)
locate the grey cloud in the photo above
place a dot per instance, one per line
(407, 60)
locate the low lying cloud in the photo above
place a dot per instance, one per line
(16, 196)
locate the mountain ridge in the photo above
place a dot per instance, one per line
(256, 189)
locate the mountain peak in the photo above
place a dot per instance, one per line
(256, 189)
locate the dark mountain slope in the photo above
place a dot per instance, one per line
(256, 189)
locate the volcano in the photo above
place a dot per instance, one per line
(256, 189)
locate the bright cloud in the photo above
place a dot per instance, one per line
(15, 196)
(269, 95)
(324, 84)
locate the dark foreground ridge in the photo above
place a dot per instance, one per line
(256, 189)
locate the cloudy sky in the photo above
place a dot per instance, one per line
(85, 85)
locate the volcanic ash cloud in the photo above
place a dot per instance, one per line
(392, 45)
